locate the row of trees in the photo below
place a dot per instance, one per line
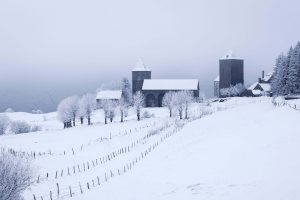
(178, 101)
(73, 107)
(286, 78)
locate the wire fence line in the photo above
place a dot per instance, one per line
(80, 188)
(72, 151)
(88, 165)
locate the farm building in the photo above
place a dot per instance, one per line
(155, 89)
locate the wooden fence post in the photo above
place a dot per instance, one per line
(98, 180)
(57, 186)
(80, 188)
(70, 191)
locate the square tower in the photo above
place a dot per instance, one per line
(231, 71)
(139, 74)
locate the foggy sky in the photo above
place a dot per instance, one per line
(52, 49)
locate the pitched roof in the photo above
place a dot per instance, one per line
(109, 94)
(253, 86)
(265, 86)
(170, 84)
(140, 66)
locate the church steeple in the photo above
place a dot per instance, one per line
(140, 66)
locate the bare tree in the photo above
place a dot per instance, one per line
(169, 101)
(138, 103)
(15, 176)
(4, 122)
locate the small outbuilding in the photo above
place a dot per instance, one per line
(114, 95)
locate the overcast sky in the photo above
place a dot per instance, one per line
(54, 48)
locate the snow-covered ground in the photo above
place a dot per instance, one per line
(246, 149)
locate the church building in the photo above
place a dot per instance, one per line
(155, 89)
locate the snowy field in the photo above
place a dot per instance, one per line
(245, 149)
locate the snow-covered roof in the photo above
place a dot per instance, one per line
(170, 84)
(109, 94)
(229, 55)
(217, 78)
(140, 66)
(253, 86)
(266, 87)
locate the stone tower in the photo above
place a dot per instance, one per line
(139, 74)
(231, 70)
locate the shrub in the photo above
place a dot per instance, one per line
(15, 176)
(147, 114)
(18, 127)
(4, 122)
(35, 128)
(37, 111)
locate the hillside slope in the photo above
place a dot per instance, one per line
(247, 152)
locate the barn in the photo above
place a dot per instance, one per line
(155, 89)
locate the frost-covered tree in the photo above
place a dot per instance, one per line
(126, 91)
(277, 83)
(74, 107)
(286, 78)
(81, 111)
(108, 109)
(179, 98)
(4, 122)
(64, 112)
(169, 102)
(15, 176)
(87, 104)
(138, 103)
(293, 80)
(122, 105)
(233, 91)
(286, 73)
(189, 98)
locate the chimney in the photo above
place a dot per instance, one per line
(263, 74)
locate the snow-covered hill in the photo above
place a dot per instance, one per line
(246, 149)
